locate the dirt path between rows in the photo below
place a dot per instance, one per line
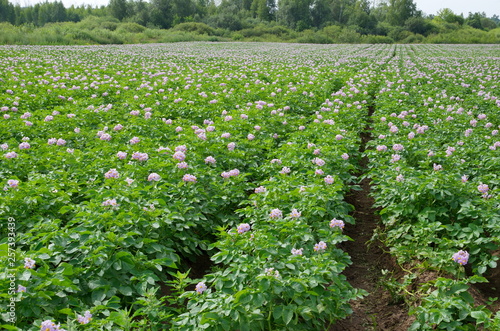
(377, 311)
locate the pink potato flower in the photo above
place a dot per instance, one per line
(29, 263)
(295, 213)
(483, 188)
(179, 156)
(13, 183)
(242, 228)
(112, 173)
(260, 189)
(461, 257)
(210, 159)
(201, 287)
(85, 319)
(189, 178)
(321, 246)
(48, 325)
(276, 213)
(337, 223)
(329, 180)
(154, 177)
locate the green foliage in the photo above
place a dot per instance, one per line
(474, 21)
(310, 37)
(418, 25)
(427, 185)
(300, 21)
(198, 28)
(399, 11)
(348, 36)
(108, 237)
(122, 250)
(379, 40)
(130, 28)
(449, 306)
(465, 36)
(449, 16)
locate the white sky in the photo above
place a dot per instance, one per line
(490, 7)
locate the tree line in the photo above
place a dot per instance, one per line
(385, 18)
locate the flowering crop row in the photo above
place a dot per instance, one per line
(434, 161)
(281, 268)
(120, 165)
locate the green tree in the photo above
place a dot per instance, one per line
(361, 17)
(474, 20)
(201, 8)
(162, 13)
(495, 18)
(488, 23)
(380, 11)
(58, 12)
(263, 9)
(401, 10)
(7, 12)
(418, 25)
(140, 12)
(73, 14)
(119, 9)
(321, 13)
(447, 15)
(227, 16)
(295, 13)
(183, 10)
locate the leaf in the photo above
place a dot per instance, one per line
(312, 293)
(287, 314)
(68, 269)
(480, 316)
(98, 296)
(259, 299)
(457, 288)
(125, 290)
(66, 311)
(298, 287)
(65, 209)
(467, 297)
(277, 312)
(3, 250)
(264, 284)
(119, 317)
(26, 275)
(243, 296)
(207, 317)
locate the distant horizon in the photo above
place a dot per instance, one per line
(428, 7)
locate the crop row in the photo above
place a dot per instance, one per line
(434, 161)
(121, 175)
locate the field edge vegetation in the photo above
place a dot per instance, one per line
(289, 21)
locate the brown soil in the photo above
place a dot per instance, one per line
(378, 310)
(482, 292)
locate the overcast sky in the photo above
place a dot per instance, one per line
(490, 7)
